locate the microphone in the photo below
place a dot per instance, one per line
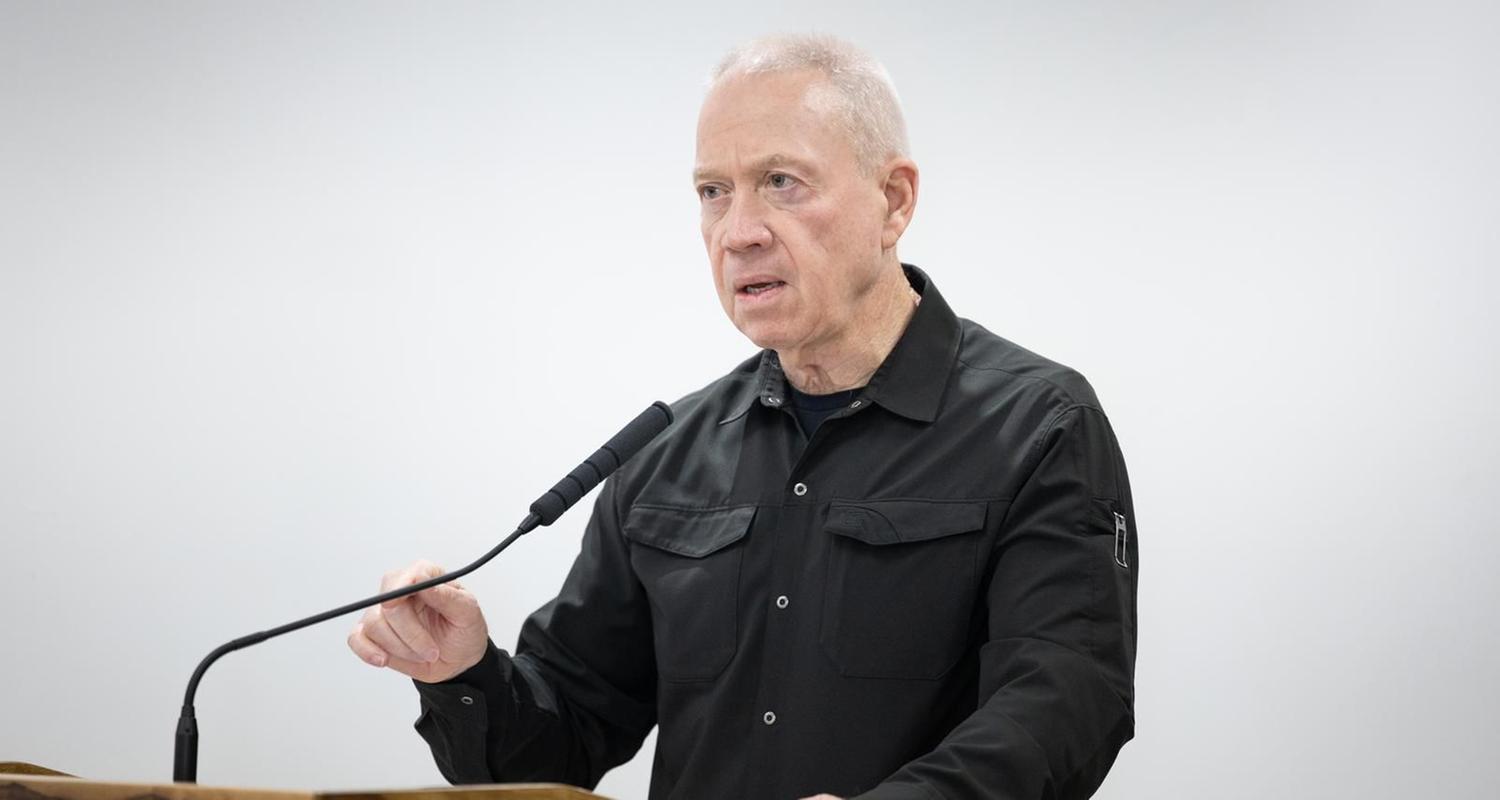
(604, 461)
(544, 511)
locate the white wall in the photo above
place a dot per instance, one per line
(293, 293)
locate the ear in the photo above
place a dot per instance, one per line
(900, 187)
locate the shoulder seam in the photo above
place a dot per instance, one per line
(1046, 429)
(1067, 395)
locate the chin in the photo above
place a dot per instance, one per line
(767, 335)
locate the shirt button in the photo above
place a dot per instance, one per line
(856, 404)
(800, 489)
(769, 717)
(466, 700)
(782, 601)
(775, 401)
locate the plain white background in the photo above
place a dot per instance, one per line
(293, 293)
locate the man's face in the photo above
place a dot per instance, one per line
(793, 229)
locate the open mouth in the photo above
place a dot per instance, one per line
(761, 288)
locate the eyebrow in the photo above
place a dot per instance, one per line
(766, 164)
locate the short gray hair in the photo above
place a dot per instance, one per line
(866, 104)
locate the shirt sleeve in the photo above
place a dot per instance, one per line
(1056, 673)
(579, 695)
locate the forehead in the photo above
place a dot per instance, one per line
(753, 117)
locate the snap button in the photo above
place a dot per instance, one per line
(466, 700)
(770, 717)
(782, 601)
(800, 489)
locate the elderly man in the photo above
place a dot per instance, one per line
(890, 556)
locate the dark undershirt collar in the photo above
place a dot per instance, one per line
(812, 409)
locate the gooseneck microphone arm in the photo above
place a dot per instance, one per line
(544, 511)
(185, 761)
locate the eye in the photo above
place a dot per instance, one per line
(709, 192)
(780, 180)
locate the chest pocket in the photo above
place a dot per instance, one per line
(899, 595)
(689, 562)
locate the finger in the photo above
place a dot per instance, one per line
(406, 623)
(368, 651)
(379, 631)
(455, 604)
(416, 571)
(402, 614)
(419, 670)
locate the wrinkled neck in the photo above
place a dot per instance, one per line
(850, 360)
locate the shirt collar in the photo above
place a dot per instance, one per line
(910, 381)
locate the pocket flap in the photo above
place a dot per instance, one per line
(691, 532)
(898, 521)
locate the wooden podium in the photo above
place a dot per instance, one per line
(26, 782)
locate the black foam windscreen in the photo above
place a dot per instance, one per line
(602, 463)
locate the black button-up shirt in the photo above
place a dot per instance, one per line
(932, 597)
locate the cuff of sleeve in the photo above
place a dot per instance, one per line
(467, 693)
(458, 717)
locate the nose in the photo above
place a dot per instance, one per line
(744, 224)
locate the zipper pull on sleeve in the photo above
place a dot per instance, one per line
(1122, 541)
